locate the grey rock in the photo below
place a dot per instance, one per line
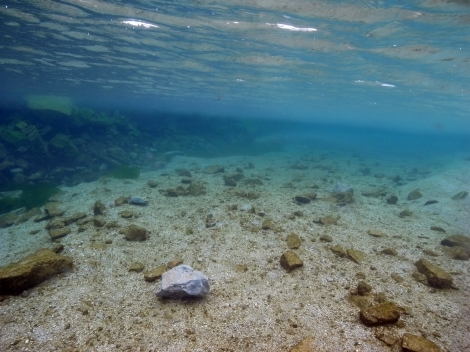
(137, 200)
(183, 281)
(343, 188)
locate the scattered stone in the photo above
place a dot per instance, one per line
(293, 241)
(32, 270)
(184, 173)
(338, 250)
(405, 213)
(232, 179)
(135, 200)
(174, 263)
(438, 229)
(302, 199)
(136, 267)
(376, 193)
(397, 277)
(387, 336)
(120, 201)
(435, 276)
(389, 251)
(99, 221)
(126, 214)
(290, 261)
(328, 220)
(8, 220)
(28, 215)
(392, 199)
(99, 208)
(152, 183)
(376, 233)
(154, 274)
(429, 202)
(268, 224)
(306, 345)
(414, 343)
(55, 224)
(195, 189)
(459, 196)
(52, 209)
(343, 198)
(213, 169)
(457, 240)
(355, 255)
(136, 233)
(380, 314)
(363, 288)
(415, 194)
(326, 238)
(59, 232)
(73, 218)
(430, 252)
(458, 253)
(183, 281)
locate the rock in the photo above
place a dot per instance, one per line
(173, 263)
(302, 199)
(290, 261)
(136, 267)
(355, 255)
(126, 214)
(120, 201)
(405, 213)
(293, 241)
(137, 201)
(213, 169)
(268, 224)
(229, 180)
(389, 251)
(28, 215)
(183, 173)
(8, 220)
(376, 193)
(387, 336)
(415, 194)
(136, 233)
(328, 220)
(457, 240)
(154, 274)
(432, 201)
(458, 253)
(414, 343)
(152, 184)
(338, 250)
(380, 314)
(99, 208)
(326, 238)
(343, 197)
(306, 345)
(363, 288)
(99, 221)
(392, 199)
(342, 188)
(438, 229)
(52, 209)
(459, 196)
(73, 218)
(32, 270)
(59, 232)
(435, 276)
(183, 281)
(376, 233)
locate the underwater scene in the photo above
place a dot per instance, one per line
(248, 175)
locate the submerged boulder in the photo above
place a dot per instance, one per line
(183, 281)
(32, 270)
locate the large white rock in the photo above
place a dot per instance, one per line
(183, 281)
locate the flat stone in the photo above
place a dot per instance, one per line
(8, 220)
(136, 233)
(376, 233)
(328, 220)
(414, 343)
(293, 241)
(380, 314)
(338, 250)
(99, 221)
(389, 251)
(152, 183)
(126, 214)
(415, 194)
(136, 267)
(52, 209)
(213, 169)
(389, 337)
(32, 270)
(355, 255)
(302, 199)
(73, 218)
(435, 276)
(120, 201)
(99, 208)
(154, 274)
(306, 345)
(457, 240)
(326, 238)
(183, 281)
(459, 196)
(56, 233)
(438, 229)
(392, 199)
(290, 261)
(173, 263)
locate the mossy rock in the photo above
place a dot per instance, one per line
(12, 136)
(125, 172)
(31, 196)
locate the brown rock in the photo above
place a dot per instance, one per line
(32, 270)
(174, 262)
(363, 288)
(457, 240)
(8, 220)
(152, 183)
(415, 194)
(438, 229)
(435, 276)
(355, 255)
(414, 343)
(154, 274)
(59, 232)
(458, 253)
(379, 314)
(389, 251)
(120, 201)
(136, 233)
(293, 241)
(302, 199)
(126, 214)
(328, 220)
(136, 267)
(290, 261)
(326, 238)
(99, 221)
(387, 336)
(73, 218)
(338, 250)
(213, 169)
(99, 208)
(306, 345)
(267, 224)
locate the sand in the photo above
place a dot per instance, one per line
(254, 304)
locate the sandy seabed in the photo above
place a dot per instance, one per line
(254, 304)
